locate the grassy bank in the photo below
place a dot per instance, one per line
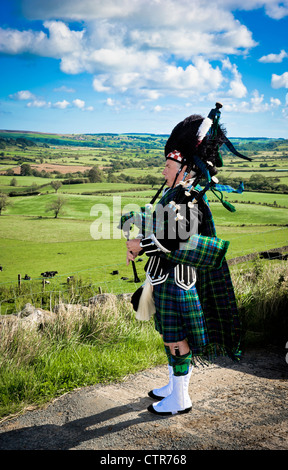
(262, 293)
(106, 343)
(103, 345)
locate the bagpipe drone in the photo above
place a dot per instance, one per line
(195, 144)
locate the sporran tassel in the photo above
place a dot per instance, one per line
(146, 307)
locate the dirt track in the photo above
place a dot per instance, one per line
(235, 407)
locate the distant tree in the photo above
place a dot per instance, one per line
(95, 175)
(25, 169)
(150, 179)
(282, 188)
(4, 202)
(56, 206)
(112, 178)
(13, 182)
(56, 185)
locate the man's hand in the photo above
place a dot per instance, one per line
(133, 249)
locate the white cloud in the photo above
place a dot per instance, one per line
(110, 102)
(163, 11)
(37, 103)
(237, 88)
(59, 41)
(279, 81)
(79, 103)
(189, 40)
(131, 46)
(275, 102)
(75, 10)
(18, 42)
(61, 104)
(22, 95)
(195, 78)
(146, 49)
(257, 104)
(276, 9)
(98, 84)
(169, 79)
(274, 58)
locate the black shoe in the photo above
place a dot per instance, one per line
(155, 397)
(167, 413)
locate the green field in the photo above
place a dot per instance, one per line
(109, 343)
(33, 241)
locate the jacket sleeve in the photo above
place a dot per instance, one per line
(201, 252)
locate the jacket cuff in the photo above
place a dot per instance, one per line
(151, 245)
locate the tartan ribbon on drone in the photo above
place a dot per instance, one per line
(229, 189)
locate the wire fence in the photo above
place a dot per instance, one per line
(78, 287)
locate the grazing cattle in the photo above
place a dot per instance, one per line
(27, 278)
(49, 273)
(114, 272)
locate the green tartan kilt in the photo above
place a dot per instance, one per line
(179, 315)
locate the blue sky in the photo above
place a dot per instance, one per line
(94, 66)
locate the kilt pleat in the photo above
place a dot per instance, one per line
(179, 315)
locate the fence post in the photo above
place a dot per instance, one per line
(19, 281)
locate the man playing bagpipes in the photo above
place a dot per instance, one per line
(188, 286)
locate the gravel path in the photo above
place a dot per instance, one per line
(235, 407)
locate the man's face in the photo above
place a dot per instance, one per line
(170, 171)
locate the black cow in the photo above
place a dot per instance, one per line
(49, 273)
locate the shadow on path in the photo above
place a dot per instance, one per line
(71, 434)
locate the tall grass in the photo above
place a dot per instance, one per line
(76, 348)
(85, 345)
(262, 296)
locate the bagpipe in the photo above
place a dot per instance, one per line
(188, 194)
